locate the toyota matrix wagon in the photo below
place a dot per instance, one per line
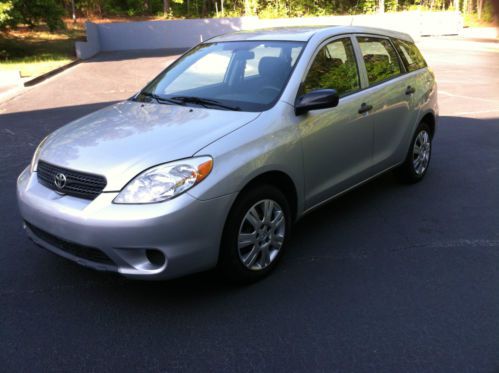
(214, 160)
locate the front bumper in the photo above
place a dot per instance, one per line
(185, 230)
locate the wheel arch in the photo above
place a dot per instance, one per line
(430, 119)
(280, 180)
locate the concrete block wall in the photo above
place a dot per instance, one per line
(89, 48)
(184, 34)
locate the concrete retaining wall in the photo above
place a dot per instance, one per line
(92, 46)
(183, 34)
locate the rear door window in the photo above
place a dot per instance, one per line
(380, 59)
(410, 54)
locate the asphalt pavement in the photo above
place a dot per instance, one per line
(388, 278)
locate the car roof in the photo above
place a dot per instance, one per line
(304, 33)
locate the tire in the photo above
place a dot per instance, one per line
(417, 161)
(264, 239)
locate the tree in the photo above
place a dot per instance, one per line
(479, 8)
(73, 10)
(5, 13)
(32, 12)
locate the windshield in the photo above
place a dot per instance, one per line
(243, 75)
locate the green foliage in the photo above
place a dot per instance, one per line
(377, 71)
(33, 12)
(274, 9)
(391, 5)
(344, 78)
(368, 6)
(334, 67)
(6, 18)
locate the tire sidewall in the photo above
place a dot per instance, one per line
(422, 127)
(406, 171)
(229, 262)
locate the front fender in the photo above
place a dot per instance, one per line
(269, 143)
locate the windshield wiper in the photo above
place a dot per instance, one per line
(204, 102)
(160, 99)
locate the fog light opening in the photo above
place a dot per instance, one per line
(156, 257)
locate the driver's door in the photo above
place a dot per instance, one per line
(337, 142)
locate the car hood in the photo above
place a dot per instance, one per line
(122, 140)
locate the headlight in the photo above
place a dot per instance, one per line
(165, 181)
(36, 155)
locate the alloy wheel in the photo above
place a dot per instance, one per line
(261, 234)
(421, 152)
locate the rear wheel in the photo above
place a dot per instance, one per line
(418, 157)
(255, 234)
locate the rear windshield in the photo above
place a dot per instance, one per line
(249, 75)
(411, 56)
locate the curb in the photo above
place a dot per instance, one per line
(50, 74)
(10, 93)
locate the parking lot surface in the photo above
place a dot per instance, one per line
(386, 278)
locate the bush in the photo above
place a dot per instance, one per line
(32, 12)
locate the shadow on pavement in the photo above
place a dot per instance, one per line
(388, 273)
(378, 210)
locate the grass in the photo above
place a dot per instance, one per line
(35, 52)
(34, 68)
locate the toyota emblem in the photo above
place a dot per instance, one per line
(60, 180)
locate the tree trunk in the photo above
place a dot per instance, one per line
(479, 8)
(166, 7)
(246, 8)
(495, 5)
(73, 10)
(147, 7)
(205, 9)
(381, 6)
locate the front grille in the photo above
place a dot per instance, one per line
(80, 251)
(78, 184)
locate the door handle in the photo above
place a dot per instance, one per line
(410, 90)
(364, 108)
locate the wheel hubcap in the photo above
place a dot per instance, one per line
(421, 152)
(261, 234)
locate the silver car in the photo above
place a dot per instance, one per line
(215, 159)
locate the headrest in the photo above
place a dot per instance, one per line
(336, 62)
(269, 66)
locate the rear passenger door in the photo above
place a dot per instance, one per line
(390, 97)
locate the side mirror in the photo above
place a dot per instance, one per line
(318, 99)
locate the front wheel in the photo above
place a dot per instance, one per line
(255, 234)
(418, 158)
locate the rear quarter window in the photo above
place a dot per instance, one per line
(410, 54)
